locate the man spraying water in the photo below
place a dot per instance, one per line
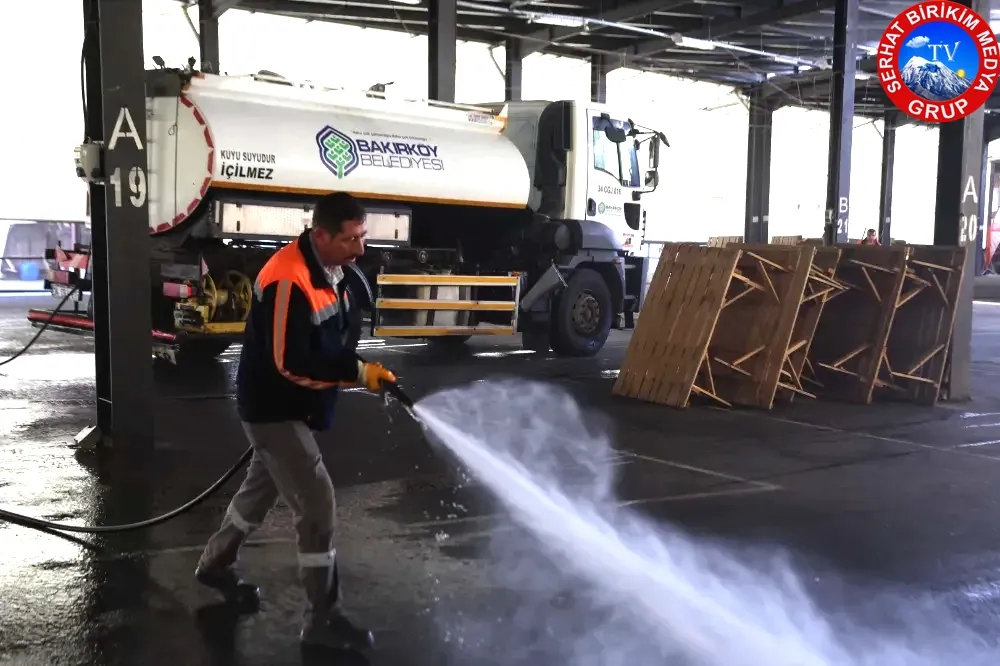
(296, 353)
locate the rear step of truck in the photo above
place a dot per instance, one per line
(427, 308)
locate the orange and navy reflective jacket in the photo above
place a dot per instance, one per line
(297, 346)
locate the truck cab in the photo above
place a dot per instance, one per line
(584, 163)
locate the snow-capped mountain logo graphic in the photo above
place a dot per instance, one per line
(937, 61)
(933, 80)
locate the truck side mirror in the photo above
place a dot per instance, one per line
(654, 152)
(652, 179)
(615, 134)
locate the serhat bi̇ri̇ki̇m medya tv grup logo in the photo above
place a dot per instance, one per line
(938, 61)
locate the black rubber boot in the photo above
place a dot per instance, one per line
(237, 592)
(336, 632)
(326, 625)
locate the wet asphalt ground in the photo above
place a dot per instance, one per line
(882, 509)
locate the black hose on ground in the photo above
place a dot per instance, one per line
(392, 389)
(47, 526)
(42, 328)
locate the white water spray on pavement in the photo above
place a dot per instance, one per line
(661, 594)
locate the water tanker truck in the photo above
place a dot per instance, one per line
(494, 219)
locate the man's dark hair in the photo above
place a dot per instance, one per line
(332, 210)
(871, 231)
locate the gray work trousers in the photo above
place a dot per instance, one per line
(287, 463)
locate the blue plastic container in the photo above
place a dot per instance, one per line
(30, 272)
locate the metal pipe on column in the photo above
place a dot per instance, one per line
(120, 247)
(890, 122)
(512, 74)
(599, 79)
(984, 197)
(838, 191)
(758, 170)
(208, 36)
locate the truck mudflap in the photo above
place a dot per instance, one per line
(444, 305)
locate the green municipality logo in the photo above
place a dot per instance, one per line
(337, 151)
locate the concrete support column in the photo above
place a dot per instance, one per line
(208, 36)
(599, 79)
(957, 221)
(838, 190)
(442, 46)
(758, 171)
(890, 123)
(512, 73)
(120, 247)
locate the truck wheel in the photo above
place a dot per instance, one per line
(581, 315)
(201, 350)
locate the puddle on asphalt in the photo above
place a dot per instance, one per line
(63, 367)
(504, 354)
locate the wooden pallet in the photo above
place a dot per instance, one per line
(820, 288)
(669, 346)
(717, 323)
(853, 330)
(786, 240)
(914, 359)
(750, 352)
(723, 241)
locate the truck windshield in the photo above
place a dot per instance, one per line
(617, 159)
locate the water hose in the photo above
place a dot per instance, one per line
(42, 328)
(388, 389)
(44, 525)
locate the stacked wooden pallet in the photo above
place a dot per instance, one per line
(741, 324)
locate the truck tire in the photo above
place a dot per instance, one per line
(196, 351)
(581, 315)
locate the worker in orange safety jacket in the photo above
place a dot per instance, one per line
(297, 350)
(871, 238)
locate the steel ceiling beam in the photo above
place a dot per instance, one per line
(751, 22)
(330, 10)
(397, 18)
(627, 12)
(222, 6)
(416, 28)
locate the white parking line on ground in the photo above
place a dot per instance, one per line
(854, 433)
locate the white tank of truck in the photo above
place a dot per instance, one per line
(254, 135)
(483, 220)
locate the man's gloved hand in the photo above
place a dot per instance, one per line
(371, 375)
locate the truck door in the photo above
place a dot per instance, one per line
(612, 176)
